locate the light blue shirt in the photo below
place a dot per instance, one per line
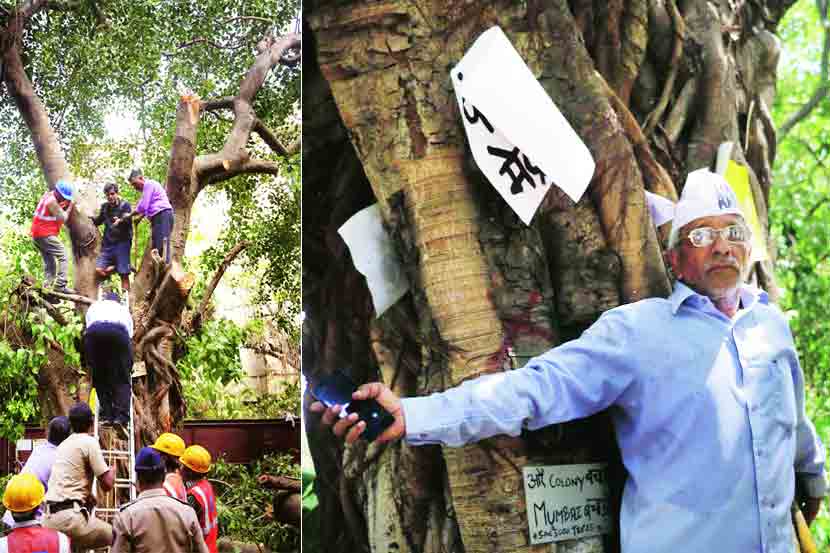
(709, 414)
(40, 464)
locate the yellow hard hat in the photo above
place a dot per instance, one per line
(23, 493)
(196, 458)
(169, 443)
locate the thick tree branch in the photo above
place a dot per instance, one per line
(234, 158)
(72, 297)
(272, 141)
(270, 57)
(225, 102)
(219, 171)
(220, 272)
(823, 85)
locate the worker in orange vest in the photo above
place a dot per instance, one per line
(51, 213)
(200, 496)
(171, 448)
(23, 496)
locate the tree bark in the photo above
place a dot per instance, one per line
(381, 124)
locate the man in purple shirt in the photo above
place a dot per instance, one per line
(43, 457)
(154, 205)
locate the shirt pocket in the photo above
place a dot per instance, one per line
(780, 396)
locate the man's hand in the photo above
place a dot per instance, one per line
(810, 507)
(347, 427)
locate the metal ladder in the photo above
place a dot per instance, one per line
(112, 456)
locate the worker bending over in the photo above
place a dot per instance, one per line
(108, 352)
(51, 213)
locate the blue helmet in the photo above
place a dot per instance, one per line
(65, 189)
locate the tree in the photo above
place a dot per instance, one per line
(652, 88)
(67, 61)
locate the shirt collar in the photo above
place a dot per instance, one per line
(750, 295)
(28, 523)
(152, 493)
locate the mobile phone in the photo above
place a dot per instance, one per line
(336, 389)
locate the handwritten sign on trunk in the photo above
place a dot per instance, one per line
(565, 502)
(519, 138)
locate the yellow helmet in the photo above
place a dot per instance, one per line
(170, 444)
(23, 493)
(196, 458)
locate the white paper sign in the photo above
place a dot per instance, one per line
(23, 445)
(565, 502)
(519, 139)
(375, 258)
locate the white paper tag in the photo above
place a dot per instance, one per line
(661, 209)
(375, 258)
(519, 139)
(566, 502)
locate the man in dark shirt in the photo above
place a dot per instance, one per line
(118, 237)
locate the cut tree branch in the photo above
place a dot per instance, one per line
(220, 272)
(72, 297)
(823, 85)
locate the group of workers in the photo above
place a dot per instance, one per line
(116, 214)
(49, 504)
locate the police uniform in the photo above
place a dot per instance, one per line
(78, 461)
(157, 522)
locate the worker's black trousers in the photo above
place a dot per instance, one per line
(108, 351)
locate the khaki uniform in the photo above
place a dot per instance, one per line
(156, 522)
(77, 461)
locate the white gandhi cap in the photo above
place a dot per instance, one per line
(705, 194)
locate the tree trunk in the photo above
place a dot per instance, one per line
(652, 89)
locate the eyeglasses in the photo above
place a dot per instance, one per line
(704, 236)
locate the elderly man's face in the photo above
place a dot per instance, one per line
(137, 183)
(712, 270)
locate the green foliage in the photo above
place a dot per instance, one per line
(209, 399)
(265, 211)
(213, 354)
(19, 366)
(800, 216)
(18, 386)
(244, 506)
(4, 480)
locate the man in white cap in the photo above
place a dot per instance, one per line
(704, 389)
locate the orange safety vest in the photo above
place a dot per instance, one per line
(34, 539)
(43, 222)
(174, 486)
(209, 520)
